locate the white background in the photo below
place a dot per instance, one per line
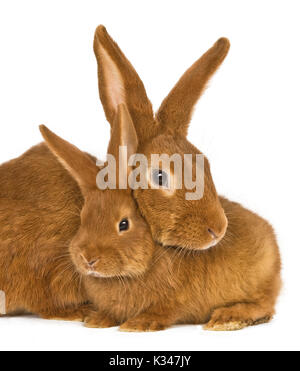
(247, 123)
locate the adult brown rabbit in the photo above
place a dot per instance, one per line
(144, 286)
(249, 247)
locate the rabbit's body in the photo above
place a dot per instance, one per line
(187, 287)
(40, 207)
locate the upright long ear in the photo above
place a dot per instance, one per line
(176, 110)
(123, 134)
(79, 164)
(120, 84)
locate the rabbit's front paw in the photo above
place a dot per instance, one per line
(70, 314)
(98, 320)
(143, 325)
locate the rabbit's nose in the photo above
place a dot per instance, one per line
(218, 233)
(212, 233)
(92, 262)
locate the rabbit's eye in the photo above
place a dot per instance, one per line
(160, 178)
(124, 225)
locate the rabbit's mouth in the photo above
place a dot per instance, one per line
(99, 273)
(102, 269)
(95, 274)
(112, 275)
(196, 236)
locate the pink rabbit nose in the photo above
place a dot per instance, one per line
(212, 233)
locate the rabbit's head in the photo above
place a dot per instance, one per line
(113, 239)
(175, 220)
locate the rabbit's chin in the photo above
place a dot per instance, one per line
(189, 245)
(97, 274)
(102, 275)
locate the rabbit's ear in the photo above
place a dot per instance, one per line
(123, 134)
(120, 84)
(79, 164)
(176, 110)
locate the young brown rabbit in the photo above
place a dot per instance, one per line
(249, 248)
(144, 286)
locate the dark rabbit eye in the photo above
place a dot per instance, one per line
(160, 178)
(124, 225)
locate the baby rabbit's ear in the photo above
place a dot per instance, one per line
(123, 134)
(120, 84)
(79, 164)
(176, 110)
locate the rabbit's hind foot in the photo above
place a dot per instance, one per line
(238, 317)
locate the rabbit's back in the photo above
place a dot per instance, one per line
(39, 214)
(37, 177)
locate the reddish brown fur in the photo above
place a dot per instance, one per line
(146, 287)
(40, 207)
